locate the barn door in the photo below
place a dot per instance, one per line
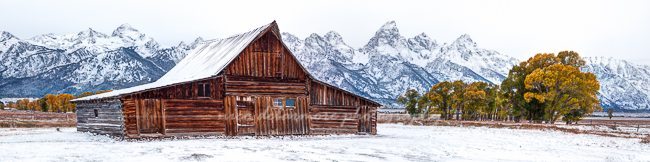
(149, 116)
(365, 120)
(245, 116)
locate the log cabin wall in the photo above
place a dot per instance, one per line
(334, 111)
(100, 117)
(177, 110)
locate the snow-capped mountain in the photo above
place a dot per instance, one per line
(83, 61)
(390, 63)
(382, 69)
(623, 85)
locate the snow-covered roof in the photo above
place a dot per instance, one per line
(203, 62)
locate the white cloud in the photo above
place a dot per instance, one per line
(514, 27)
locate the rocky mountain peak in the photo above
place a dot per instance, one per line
(291, 41)
(126, 31)
(288, 37)
(198, 40)
(388, 31)
(390, 25)
(334, 37)
(464, 41)
(422, 36)
(90, 34)
(124, 27)
(388, 34)
(314, 36)
(4, 36)
(182, 44)
(422, 41)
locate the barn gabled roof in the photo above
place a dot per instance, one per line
(205, 61)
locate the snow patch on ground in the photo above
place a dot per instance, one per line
(394, 143)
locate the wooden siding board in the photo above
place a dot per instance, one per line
(335, 111)
(110, 120)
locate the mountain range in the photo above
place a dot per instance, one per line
(382, 69)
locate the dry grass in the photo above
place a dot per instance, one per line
(646, 140)
(29, 119)
(36, 124)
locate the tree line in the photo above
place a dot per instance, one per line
(545, 88)
(49, 102)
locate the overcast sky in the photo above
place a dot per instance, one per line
(518, 28)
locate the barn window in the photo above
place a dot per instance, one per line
(96, 113)
(277, 102)
(204, 90)
(290, 103)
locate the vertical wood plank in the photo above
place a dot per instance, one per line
(164, 116)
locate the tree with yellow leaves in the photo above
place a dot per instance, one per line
(475, 100)
(22, 104)
(457, 97)
(66, 105)
(33, 105)
(439, 97)
(562, 89)
(51, 102)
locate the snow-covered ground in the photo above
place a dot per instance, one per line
(394, 143)
(626, 130)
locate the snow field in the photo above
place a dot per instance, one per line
(394, 143)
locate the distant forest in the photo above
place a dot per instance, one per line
(49, 103)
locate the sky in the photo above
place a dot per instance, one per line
(519, 28)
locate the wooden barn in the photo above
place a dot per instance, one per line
(247, 84)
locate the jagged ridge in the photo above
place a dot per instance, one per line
(85, 61)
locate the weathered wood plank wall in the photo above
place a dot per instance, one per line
(194, 116)
(266, 58)
(176, 110)
(281, 121)
(109, 118)
(236, 87)
(334, 111)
